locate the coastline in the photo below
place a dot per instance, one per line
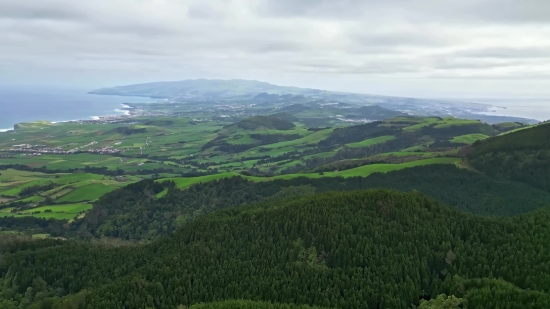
(30, 104)
(123, 111)
(536, 109)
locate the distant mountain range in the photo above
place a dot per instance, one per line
(216, 89)
(208, 89)
(261, 92)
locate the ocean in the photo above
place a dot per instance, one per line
(55, 105)
(52, 104)
(538, 109)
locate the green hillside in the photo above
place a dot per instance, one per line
(522, 155)
(375, 112)
(294, 108)
(257, 123)
(286, 116)
(120, 213)
(468, 221)
(362, 249)
(192, 151)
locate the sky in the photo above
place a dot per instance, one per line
(418, 48)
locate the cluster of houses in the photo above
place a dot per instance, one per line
(38, 150)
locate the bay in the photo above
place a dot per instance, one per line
(57, 104)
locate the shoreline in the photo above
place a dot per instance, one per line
(124, 110)
(526, 112)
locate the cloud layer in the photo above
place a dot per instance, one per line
(401, 47)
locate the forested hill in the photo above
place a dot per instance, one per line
(362, 249)
(135, 213)
(523, 155)
(253, 123)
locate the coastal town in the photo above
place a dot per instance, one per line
(37, 150)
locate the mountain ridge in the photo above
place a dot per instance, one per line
(198, 90)
(278, 89)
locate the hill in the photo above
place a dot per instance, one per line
(361, 249)
(206, 89)
(375, 112)
(34, 180)
(522, 155)
(208, 92)
(169, 204)
(258, 123)
(286, 116)
(294, 108)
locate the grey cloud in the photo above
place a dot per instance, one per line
(202, 11)
(49, 10)
(518, 77)
(131, 27)
(311, 7)
(328, 40)
(443, 11)
(509, 10)
(276, 47)
(506, 52)
(461, 65)
(405, 38)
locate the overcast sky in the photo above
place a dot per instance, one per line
(424, 48)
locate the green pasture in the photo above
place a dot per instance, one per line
(363, 171)
(89, 192)
(76, 187)
(312, 138)
(456, 122)
(469, 138)
(366, 170)
(405, 154)
(435, 122)
(33, 199)
(66, 211)
(372, 141)
(320, 155)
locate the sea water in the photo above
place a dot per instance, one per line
(538, 109)
(53, 104)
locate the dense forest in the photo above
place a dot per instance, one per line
(135, 213)
(360, 249)
(522, 155)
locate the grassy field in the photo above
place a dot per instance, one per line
(372, 141)
(362, 171)
(438, 123)
(366, 170)
(66, 211)
(312, 138)
(469, 138)
(70, 188)
(172, 146)
(89, 192)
